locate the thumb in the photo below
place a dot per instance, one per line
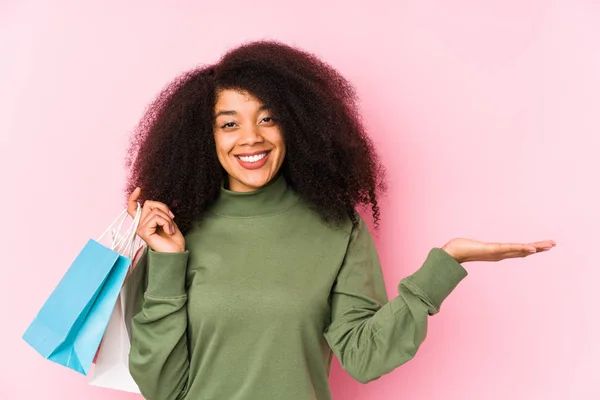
(132, 202)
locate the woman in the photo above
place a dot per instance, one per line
(259, 269)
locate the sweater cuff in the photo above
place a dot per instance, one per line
(166, 273)
(438, 277)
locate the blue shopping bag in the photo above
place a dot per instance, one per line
(70, 325)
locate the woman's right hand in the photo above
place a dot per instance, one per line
(156, 227)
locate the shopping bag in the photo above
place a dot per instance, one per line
(69, 326)
(134, 290)
(111, 369)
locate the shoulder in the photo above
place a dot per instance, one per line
(309, 215)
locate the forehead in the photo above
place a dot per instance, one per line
(236, 100)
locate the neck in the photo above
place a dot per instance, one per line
(276, 196)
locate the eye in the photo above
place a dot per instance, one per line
(267, 120)
(228, 125)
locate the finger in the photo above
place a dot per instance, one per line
(528, 252)
(170, 229)
(513, 248)
(132, 202)
(155, 221)
(149, 221)
(172, 225)
(150, 205)
(544, 244)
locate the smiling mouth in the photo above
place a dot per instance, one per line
(253, 158)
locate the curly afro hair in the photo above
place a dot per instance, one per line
(330, 161)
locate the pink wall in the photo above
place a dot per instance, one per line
(485, 115)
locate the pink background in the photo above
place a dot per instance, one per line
(485, 114)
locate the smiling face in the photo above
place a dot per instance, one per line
(250, 145)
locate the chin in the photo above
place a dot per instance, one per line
(254, 180)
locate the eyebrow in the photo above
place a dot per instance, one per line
(233, 112)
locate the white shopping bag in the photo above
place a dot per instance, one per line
(112, 361)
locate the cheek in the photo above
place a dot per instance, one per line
(282, 146)
(279, 140)
(222, 145)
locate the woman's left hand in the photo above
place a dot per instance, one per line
(463, 250)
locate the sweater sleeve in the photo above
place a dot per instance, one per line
(158, 360)
(370, 335)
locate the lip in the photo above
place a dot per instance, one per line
(252, 154)
(254, 165)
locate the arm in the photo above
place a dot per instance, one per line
(158, 360)
(369, 335)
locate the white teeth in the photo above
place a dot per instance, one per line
(254, 158)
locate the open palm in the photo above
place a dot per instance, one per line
(464, 250)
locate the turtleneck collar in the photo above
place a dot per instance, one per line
(276, 196)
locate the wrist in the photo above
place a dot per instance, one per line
(448, 250)
(169, 251)
(167, 246)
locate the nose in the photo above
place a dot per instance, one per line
(251, 136)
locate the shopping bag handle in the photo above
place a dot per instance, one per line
(125, 243)
(130, 235)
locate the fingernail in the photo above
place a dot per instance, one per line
(532, 250)
(171, 214)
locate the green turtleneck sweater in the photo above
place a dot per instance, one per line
(265, 294)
